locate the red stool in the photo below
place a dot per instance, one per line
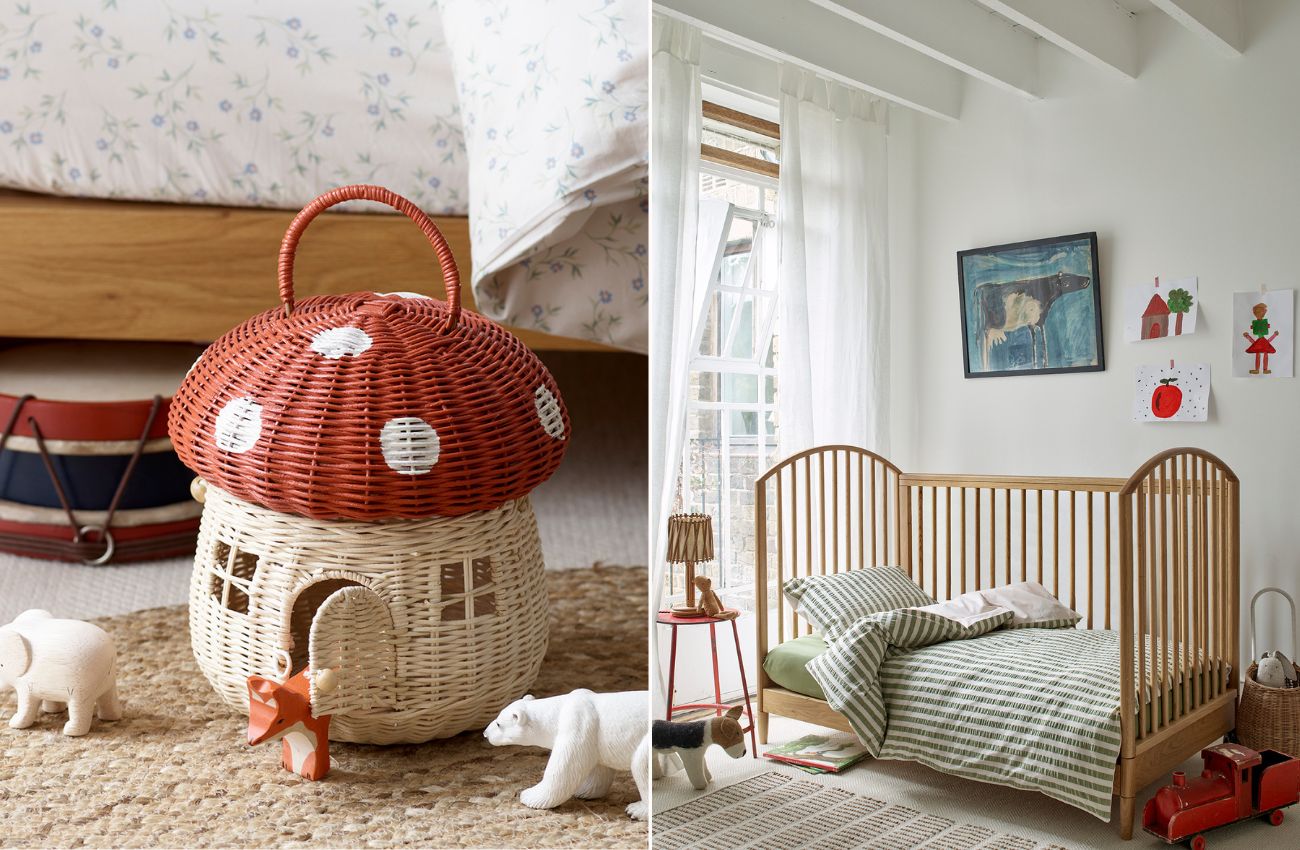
(673, 621)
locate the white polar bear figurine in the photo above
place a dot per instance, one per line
(49, 662)
(589, 735)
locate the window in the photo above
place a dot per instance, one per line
(231, 580)
(731, 423)
(467, 589)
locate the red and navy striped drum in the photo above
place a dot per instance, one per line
(87, 471)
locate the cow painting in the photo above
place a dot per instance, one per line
(1048, 291)
(1005, 307)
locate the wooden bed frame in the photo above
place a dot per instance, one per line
(1155, 556)
(78, 268)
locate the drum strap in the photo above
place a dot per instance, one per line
(79, 532)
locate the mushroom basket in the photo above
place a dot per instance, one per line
(365, 463)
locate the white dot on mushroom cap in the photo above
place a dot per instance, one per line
(334, 343)
(548, 412)
(410, 445)
(404, 295)
(239, 425)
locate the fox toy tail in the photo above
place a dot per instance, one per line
(282, 711)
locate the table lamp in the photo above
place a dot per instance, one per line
(690, 541)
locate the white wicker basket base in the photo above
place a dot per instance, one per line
(433, 625)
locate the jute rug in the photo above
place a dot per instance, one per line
(176, 771)
(773, 811)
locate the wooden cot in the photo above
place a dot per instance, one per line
(80, 268)
(1154, 556)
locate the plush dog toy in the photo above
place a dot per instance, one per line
(589, 735)
(689, 742)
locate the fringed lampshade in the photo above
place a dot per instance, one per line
(690, 541)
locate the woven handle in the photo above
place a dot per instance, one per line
(361, 192)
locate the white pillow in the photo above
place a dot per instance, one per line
(1031, 606)
(967, 609)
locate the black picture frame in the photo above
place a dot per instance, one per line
(1027, 298)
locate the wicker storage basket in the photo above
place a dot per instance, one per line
(1269, 718)
(366, 461)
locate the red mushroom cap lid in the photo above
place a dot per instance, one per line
(370, 405)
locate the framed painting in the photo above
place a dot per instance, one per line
(1031, 308)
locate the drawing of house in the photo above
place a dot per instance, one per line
(1155, 321)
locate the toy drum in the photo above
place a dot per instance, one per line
(87, 471)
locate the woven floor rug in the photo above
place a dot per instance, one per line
(177, 771)
(773, 811)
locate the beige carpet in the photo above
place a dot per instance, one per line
(176, 771)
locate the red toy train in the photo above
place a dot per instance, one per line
(1237, 783)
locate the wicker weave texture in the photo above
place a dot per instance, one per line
(1269, 718)
(370, 405)
(466, 598)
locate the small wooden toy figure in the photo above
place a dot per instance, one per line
(282, 711)
(1261, 345)
(52, 662)
(710, 602)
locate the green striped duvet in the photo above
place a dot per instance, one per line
(1030, 708)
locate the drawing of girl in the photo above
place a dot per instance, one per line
(1259, 345)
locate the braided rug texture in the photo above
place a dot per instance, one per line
(176, 770)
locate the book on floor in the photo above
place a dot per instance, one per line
(821, 753)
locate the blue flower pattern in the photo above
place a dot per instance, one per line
(232, 105)
(554, 102)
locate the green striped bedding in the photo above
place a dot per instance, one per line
(1029, 708)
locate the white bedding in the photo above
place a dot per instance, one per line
(269, 104)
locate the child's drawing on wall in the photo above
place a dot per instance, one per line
(1160, 309)
(1266, 322)
(1260, 346)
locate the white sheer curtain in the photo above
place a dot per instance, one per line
(674, 193)
(833, 366)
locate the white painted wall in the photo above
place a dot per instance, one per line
(1194, 168)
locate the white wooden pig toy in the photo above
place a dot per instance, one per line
(52, 662)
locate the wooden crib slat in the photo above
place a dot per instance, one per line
(1074, 553)
(947, 539)
(1024, 526)
(979, 581)
(961, 525)
(780, 553)
(1006, 534)
(934, 542)
(1087, 520)
(1202, 577)
(1140, 550)
(1056, 543)
(833, 500)
(1165, 667)
(1106, 550)
(1184, 589)
(1040, 535)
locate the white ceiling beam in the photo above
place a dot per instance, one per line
(739, 71)
(1096, 31)
(803, 34)
(1217, 21)
(955, 32)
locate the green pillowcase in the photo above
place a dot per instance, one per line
(786, 665)
(832, 603)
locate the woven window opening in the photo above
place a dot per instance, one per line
(367, 461)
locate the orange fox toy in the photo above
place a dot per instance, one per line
(282, 710)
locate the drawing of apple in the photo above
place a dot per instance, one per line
(1166, 399)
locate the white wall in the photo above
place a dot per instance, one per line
(1192, 169)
